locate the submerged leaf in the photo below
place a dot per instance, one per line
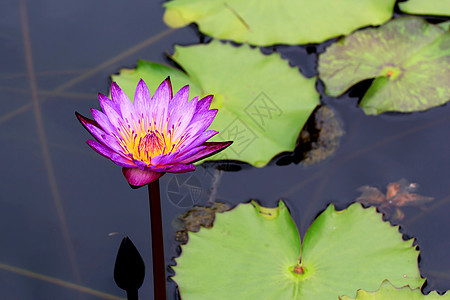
(388, 292)
(398, 194)
(409, 58)
(263, 102)
(196, 217)
(426, 7)
(270, 22)
(253, 252)
(318, 142)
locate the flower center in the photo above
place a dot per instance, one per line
(153, 143)
(144, 140)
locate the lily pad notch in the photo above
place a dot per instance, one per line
(342, 251)
(408, 57)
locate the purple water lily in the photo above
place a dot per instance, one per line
(152, 135)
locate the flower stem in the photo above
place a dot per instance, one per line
(132, 295)
(159, 264)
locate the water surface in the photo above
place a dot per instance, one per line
(64, 210)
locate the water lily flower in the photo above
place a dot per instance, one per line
(152, 135)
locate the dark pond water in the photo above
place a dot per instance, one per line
(64, 210)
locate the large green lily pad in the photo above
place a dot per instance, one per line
(153, 74)
(263, 102)
(426, 7)
(267, 22)
(253, 252)
(388, 292)
(409, 58)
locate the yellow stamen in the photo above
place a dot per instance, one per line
(145, 139)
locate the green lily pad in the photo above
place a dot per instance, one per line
(263, 102)
(426, 7)
(153, 74)
(253, 252)
(264, 23)
(388, 292)
(409, 58)
(445, 25)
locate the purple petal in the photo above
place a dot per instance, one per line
(161, 159)
(109, 108)
(200, 116)
(137, 177)
(211, 149)
(185, 116)
(198, 140)
(181, 168)
(141, 165)
(110, 153)
(92, 127)
(201, 121)
(83, 120)
(126, 107)
(177, 106)
(99, 134)
(103, 121)
(179, 100)
(103, 100)
(142, 99)
(204, 104)
(160, 103)
(122, 161)
(100, 149)
(112, 143)
(188, 153)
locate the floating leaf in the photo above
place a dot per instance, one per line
(426, 7)
(270, 22)
(263, 102)
(409, 58)
(388, 292)
(444, 25)
(252, 252)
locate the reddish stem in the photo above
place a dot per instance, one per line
(159, 264)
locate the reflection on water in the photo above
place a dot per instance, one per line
(74, 48)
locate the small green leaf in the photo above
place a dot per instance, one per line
(426, 7)
(270, 22)
(263, 102)
(409, 58)
(253, 252)
(388, 292)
